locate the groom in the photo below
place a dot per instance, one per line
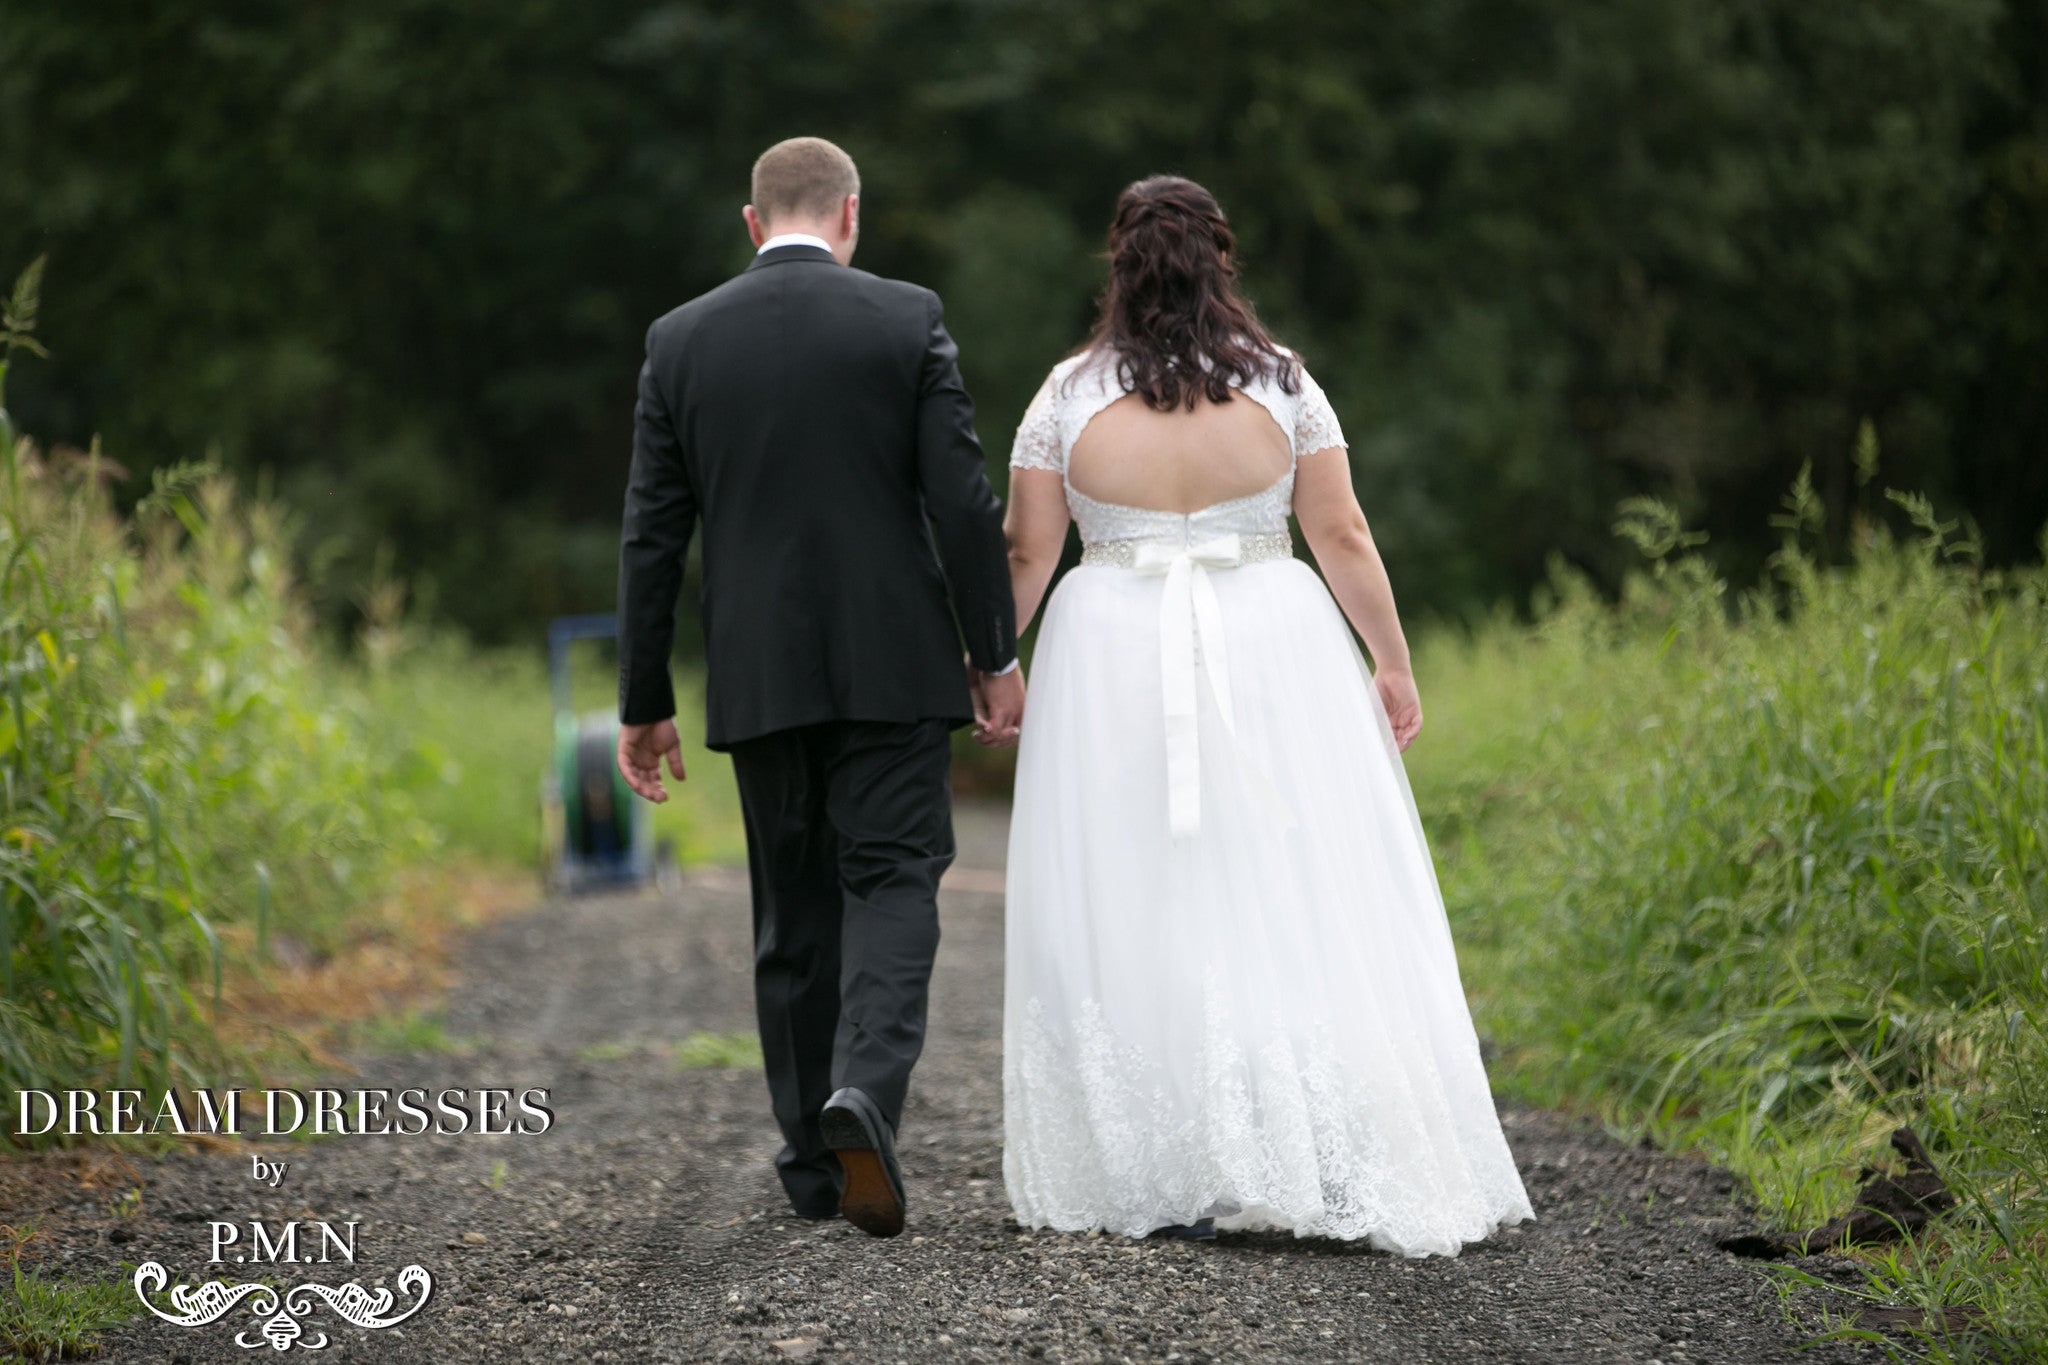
(812, 416)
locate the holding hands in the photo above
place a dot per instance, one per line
(998, 705)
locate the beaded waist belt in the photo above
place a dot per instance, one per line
(1124, 554)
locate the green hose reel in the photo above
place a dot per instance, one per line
(595, 830)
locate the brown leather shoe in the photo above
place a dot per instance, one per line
(861, 1138)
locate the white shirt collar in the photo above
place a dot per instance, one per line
(781, 239)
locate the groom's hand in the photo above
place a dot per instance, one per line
(641, 748)
(998, 706)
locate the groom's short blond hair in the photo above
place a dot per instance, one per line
(804, 177)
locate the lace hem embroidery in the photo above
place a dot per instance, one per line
(1286, 1137)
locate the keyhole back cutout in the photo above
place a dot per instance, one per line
(1178, 461)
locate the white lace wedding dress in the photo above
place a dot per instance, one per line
(1230, 986)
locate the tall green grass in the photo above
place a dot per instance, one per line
(1769, 876)
(185, 773)
(191, 772)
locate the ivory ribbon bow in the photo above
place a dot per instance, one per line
(1188, 612)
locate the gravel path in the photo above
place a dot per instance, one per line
(648, 1225)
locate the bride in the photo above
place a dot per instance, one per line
(1231, 998)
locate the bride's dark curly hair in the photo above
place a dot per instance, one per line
(1172, 314)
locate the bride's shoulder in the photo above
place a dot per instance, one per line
(1068, 377)
(1292, 389)
(1090, 368)
(1288, 373)
(1087, 359)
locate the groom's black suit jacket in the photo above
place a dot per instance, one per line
(812, 416)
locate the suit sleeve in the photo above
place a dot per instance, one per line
(661, 513)
(966, 514)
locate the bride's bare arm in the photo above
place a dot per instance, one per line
(1335, 528)
(1036, 527)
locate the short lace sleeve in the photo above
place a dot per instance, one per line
(1038, 444)
(1315, 421)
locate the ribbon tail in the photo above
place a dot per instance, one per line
(1177, 682)
(1208, 613)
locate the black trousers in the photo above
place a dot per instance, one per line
(849, 828)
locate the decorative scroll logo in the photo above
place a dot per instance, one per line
(279, 1315)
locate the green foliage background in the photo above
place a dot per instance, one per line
(1768, 877)
(1543, 253)
(1746, 850)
